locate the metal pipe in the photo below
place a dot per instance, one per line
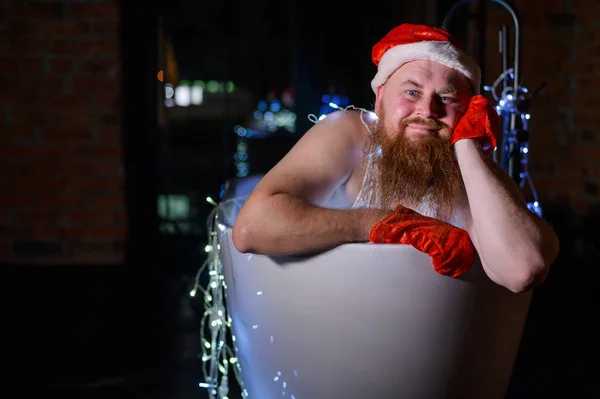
(517, 27)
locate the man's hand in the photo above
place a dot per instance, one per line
(450, 248)
(480, 122)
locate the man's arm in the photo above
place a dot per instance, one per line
(516, 246)
(284, 214)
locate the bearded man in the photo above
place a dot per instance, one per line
(417, 171)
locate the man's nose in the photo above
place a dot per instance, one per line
(428, 107)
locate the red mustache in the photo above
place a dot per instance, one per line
(428, 123)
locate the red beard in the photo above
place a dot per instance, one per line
(411, 169)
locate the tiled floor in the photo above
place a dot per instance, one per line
(79, 333)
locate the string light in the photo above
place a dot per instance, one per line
(218, 349)
(515, 105)
(370, 114)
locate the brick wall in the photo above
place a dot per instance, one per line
(561, 46)
(61, 173)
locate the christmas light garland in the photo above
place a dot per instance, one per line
(219, 350)
(515, 105)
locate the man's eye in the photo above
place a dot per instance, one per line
(447, 99)
(411, 92)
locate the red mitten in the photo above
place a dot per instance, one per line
(450, 247)
(481, 122)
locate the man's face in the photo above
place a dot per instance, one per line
(422, 98)
(418, 107)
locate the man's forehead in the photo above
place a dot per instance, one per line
(422, 75)
(452, 86)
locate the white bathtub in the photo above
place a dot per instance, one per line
(369, 321)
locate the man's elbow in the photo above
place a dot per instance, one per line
(241, 236)
(249, 231)
(532, 275)
(528, 282)
(535, 269)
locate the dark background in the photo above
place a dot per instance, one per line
(95, 280)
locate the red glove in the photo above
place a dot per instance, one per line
(450, 248)
(481, 122)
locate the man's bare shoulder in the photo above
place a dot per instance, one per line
(351, 121)
(351, 131)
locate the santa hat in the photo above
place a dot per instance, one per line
(409, 42)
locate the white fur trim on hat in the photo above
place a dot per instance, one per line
(442, 52)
